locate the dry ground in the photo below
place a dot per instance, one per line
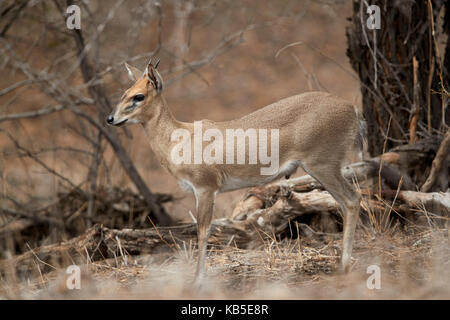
(414, 264)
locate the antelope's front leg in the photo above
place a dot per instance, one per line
(205, 209)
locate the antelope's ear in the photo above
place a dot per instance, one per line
(153, 75)
(133, 73)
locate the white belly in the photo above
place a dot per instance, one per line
(235, 183)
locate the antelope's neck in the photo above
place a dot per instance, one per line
(159, 130)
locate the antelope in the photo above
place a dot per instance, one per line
(316, 131)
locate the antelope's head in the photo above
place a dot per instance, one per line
(137, 102)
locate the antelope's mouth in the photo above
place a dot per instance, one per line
(121, 123)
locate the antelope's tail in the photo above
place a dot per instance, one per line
(361, 136)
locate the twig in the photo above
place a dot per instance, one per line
(39, 161)
(32, 114)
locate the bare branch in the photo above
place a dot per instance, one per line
(31, 216)
(39, 161)
(32, 114)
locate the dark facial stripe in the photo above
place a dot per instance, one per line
(130, 108)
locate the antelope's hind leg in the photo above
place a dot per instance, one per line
(330, 176)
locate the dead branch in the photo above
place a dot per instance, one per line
(435, 202)
(14, 11)
(272, 207)
(40, 162)
(439, 167)
(31, 216)
(101, 243)
(31, 114)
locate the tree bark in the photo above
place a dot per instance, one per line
(398, 107)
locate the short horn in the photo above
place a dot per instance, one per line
(150, 62)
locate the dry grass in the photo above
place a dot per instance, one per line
(414, 265)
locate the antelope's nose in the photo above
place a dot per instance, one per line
(110, 119)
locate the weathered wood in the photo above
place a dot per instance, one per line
(440, 167)
(272, 207)
(262, 197)
(434, 202)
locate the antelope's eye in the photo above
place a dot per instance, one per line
(138, 97)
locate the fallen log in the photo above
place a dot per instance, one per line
(274, 206)
(116, 208)
(322, 206)
(437, 203)
(100, 242)
(369, 171)
(282, 218)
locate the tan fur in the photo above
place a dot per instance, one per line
(316, 132)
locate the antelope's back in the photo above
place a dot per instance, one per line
(308, 120)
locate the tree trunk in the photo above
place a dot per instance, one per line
(400, 70)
